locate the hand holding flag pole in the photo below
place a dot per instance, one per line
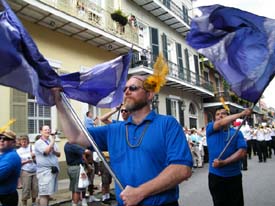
(233, 136)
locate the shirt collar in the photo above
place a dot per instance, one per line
(150, 117)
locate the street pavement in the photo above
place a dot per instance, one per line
(258, 186)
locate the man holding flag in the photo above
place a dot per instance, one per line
(148, 152)
(241, 45)
(225, 178)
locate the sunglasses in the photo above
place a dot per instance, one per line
(124, 110)
(4, 138)
(132, 88)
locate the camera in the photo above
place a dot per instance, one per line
(56, 133)
(54, 169)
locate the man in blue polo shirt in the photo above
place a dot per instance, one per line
(225, 178)
(10, 168)
(149, 152)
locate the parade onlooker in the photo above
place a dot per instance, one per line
(46, 153)
(28, 171)
(89, 121)
(74, 154)
(195, 142)
(149, 179)
(202, 133)
(90, 168)
(225, 178)
(106, 178)
(10, 167)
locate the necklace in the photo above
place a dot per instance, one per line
(140, 138)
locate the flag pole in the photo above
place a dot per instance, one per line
(90, 139)
(233, 136)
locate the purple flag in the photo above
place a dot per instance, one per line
(24, 68)
(101, 85)
(240, 44)
(21, 65)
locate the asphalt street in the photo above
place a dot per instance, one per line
(258, 185)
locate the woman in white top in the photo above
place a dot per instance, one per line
(28, 171)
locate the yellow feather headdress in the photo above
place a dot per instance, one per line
(158, 79)
(225, 106)
(4, 128)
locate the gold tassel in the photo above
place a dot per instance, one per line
(158, 79)
(225, 106)
(3, 128)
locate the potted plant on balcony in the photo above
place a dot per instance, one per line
(119, 17)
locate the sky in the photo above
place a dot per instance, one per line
(258, 7)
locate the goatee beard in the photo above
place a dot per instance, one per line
(136, 106)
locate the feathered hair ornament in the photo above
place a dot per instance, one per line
(225, 106)
(3, 128)
(155, 81)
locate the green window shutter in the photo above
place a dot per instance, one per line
(164, 46)
(168, 106)
(196, 61)
(154, 42)
(19, 111)
(181, 113)
(179, 61)
(187, 64)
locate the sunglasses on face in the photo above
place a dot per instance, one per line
(124, 110)
(4, 138)
(132, 88)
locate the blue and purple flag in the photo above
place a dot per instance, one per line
(101, 85)
(240, 44)
(23, 67)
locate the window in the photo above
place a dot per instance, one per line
(174, 107)
(192, 109)
(192, 116)
(154, 42)
(38, 115)
(143, 35)
(206, 76)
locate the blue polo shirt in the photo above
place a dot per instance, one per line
(216, 141)
(10, 168)
(151, 146)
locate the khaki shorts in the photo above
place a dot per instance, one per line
(106, 178)
(30, 185)
(73, 173)
(47, 182)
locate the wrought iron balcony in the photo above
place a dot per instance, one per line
(81, 19)
(168, 12)
(177, 77)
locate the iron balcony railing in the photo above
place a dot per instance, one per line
(180, 12)
(175, 71)
(91, 13)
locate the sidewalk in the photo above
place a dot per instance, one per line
(64, 195)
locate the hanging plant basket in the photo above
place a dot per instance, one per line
(119, 17)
